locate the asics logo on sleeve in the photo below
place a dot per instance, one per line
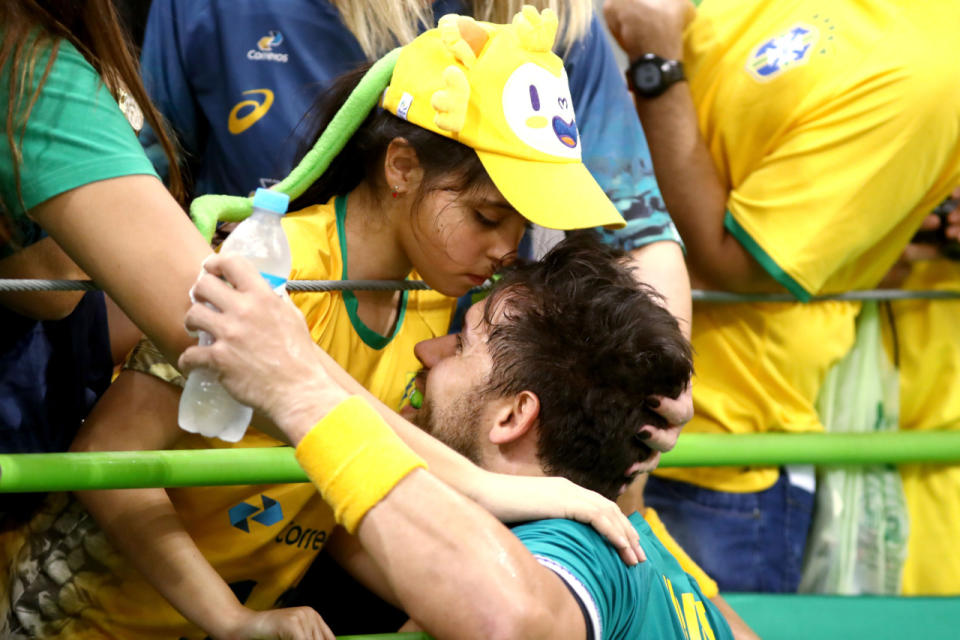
(236, 123)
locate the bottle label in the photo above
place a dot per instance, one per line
(276, 282)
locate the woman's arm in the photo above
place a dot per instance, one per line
(661, 266)
(139, 412)
(136, 242)
(124, 334)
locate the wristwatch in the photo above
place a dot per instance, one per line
(650, 75)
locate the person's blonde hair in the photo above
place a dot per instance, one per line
(380, 26)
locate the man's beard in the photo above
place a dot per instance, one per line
(456, 425)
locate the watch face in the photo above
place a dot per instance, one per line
(647, 76)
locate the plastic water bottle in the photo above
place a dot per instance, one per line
(205, 406)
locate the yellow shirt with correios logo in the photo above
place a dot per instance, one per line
(835, 128)
(260, 539)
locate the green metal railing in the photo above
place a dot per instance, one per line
(210, 467)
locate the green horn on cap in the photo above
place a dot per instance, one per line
(207, 210)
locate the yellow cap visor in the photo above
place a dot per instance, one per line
(556, 195)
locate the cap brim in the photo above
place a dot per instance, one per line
(556, 195)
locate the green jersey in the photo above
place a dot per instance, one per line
(654, 599)
(76, 135)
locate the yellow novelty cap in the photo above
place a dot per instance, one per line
(500, 90)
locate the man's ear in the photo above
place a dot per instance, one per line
(515, 417)
(401, 167)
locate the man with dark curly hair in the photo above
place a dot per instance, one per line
(548, 377)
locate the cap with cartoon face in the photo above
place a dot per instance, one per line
(501, 90)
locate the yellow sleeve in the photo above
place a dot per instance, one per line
(831, 207)
(314, 255)
(705, 582)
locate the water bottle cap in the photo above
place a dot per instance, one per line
(271, 200)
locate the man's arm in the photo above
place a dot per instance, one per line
(688, 180)
(486, 615)
(458, 572)
(453, 567)
(617, 154)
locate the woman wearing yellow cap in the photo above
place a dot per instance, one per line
(475, 137)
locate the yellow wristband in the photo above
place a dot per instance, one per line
(354, 458)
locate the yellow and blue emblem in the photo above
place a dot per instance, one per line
(269, 41)
(782, 52)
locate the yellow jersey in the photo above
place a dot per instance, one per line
(260, 539)
(835, 127)
(385, 365)
(928, 350)
(707, 584)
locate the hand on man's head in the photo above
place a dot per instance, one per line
(675, 413)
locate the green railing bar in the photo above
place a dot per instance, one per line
(768, 449)
(25, 472)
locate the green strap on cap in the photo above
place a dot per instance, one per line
(207, 210)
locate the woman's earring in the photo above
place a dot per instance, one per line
(396, 191)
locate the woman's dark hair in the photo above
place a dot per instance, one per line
(32, 27)
(593, 344)
(445, 162)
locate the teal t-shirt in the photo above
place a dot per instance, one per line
(75, 135)
(654, 599)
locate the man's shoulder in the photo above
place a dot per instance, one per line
(575, 534)
(624, 599)
(559, 528)
(582, 549)
(605, 586)
(584, 552)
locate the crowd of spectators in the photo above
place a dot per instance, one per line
(756, 147)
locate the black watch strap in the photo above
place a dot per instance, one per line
(650, 75)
